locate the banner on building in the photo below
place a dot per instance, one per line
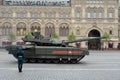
(38, 2)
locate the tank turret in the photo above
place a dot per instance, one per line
(40, 40)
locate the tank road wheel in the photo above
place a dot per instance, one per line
(74, 61)
(48, 60)
(33, 60)
(40, 60)
(64, 61)
(26, 60)
(56, 61)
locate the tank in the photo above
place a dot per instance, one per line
(47, 49)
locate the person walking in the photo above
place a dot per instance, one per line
(20, 57)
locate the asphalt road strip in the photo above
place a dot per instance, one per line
(99, 62)
(48, 69)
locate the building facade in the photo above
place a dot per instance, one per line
(119, 22)
(85, 18)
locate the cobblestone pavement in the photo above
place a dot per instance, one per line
(99, 65)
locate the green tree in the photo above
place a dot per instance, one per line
(71, 37)
(107, 37)
(119, 39)
(55, 36)
(29, 35)
(12, 37)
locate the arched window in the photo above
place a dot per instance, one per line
(78, 31)
(78, 14)
(35, 26)
(110, 31)
(7, 14)
(6, 28)
(21, 14)
(64, 29)
(35, 14)
(21, 29)
(78, 11)
(64, 15)
(49, 29)
(111, 13)
(94, 14)
(89, 13)
(94, 11)
(100, 13)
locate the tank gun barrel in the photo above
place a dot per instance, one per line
(83, 39)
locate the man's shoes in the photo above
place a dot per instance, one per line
(20, 70)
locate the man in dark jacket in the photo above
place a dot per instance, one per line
(20, 56)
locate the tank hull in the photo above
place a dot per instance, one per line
(34, 53)
(49, 54)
